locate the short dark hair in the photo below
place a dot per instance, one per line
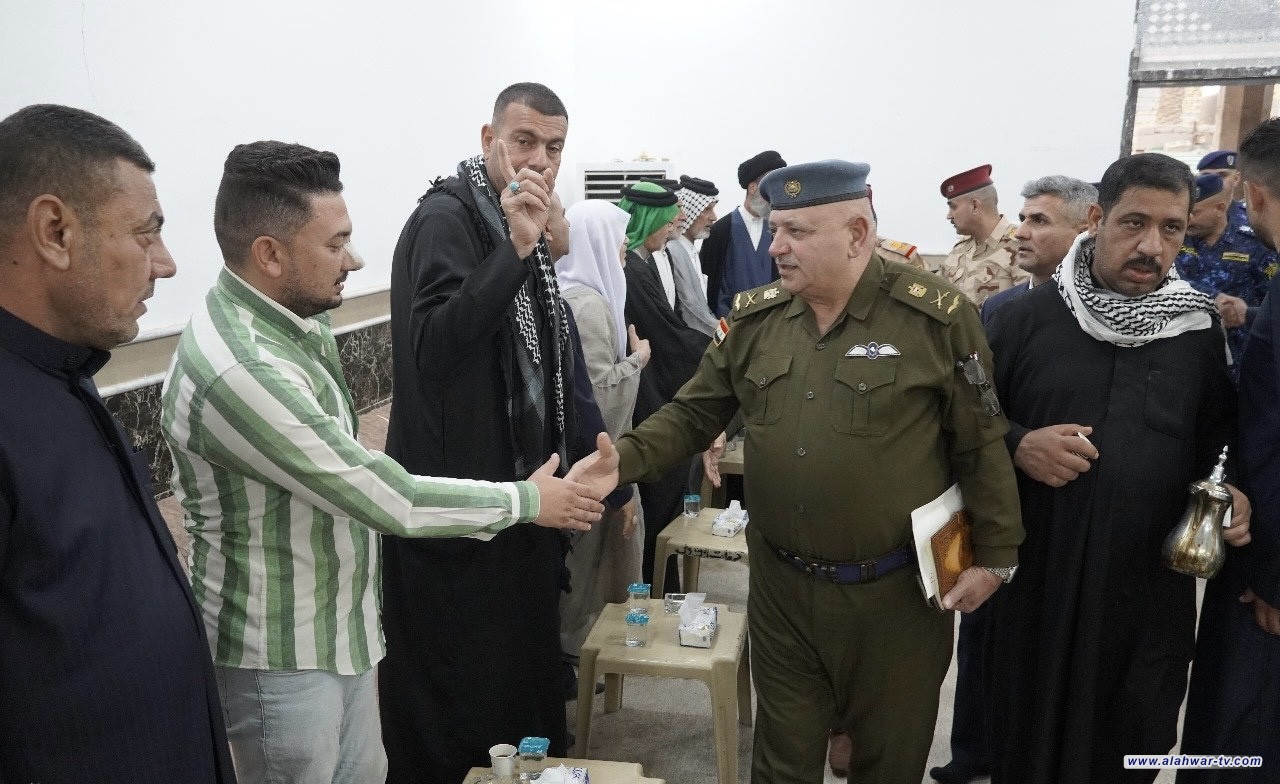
(1144, 170)
(266, 190)
(63, 151)
(1260, 156)
(537, 97)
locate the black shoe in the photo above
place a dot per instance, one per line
(951, 773)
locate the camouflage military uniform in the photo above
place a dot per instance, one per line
(980, 269)
(831, 420)
(906, 253)
(1238, 264)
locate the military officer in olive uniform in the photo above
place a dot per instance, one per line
(846, 370)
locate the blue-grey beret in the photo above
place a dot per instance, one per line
(1218, 159)
(810, 184)
(1207, 185)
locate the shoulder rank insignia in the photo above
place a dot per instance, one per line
(722, 331)
(1234, 256)
(737, 301)
(769, 293)
(916, 290)
(902, 248)
(874, 350)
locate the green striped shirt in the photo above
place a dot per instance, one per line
(279, 496)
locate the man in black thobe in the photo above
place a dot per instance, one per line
(677, 350)
(1115, 383)
(482, 390)
(105, 674)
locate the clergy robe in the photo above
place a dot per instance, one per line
(472, 627)
(677, 350)
(1089, 645)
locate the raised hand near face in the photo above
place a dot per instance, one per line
(526, 199)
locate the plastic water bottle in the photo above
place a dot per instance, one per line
(638, 598)
(637, 629)
(692, 505)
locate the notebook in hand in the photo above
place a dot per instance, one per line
(944, 547)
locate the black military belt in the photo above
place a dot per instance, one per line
(850, 573)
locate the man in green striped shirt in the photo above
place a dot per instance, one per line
(281, 500)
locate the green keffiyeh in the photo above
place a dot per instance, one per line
(641, 202)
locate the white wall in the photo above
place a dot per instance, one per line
(920, 89)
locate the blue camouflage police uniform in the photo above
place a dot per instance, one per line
(1237, 264)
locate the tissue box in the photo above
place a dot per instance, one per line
(730, 521)
(563, 775)
(700, 630)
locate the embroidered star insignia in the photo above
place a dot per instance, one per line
(770, 294)
(916, 290)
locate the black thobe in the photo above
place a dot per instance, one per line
(1233, 705)
(105, 672)
(677, 349)
(1089, 645)
(472, 627)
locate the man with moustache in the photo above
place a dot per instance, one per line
(698, 199)
(1055, 210)
(283, 503)
(104, 668)
(483, 389)
(845, 370)
(1115, 382)
(1233, 704)
(735, 255)
(1225, 261)
(981, 263)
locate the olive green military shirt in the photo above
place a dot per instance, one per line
(847, 432)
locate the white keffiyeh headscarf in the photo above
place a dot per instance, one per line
(1172, 309)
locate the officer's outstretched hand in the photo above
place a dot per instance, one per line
(974, 586)
(598, 470)
(564, 503)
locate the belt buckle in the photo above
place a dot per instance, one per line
(867, 572)
(827, 572)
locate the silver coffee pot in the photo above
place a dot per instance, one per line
(1195, 546)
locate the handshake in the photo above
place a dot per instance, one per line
(575, 501)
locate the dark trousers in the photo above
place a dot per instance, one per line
(971, 720)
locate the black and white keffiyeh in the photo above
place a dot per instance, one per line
(1172, 309)
(526, 398)
(693, 203)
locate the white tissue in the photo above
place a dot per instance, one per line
(697, 622)
(563, 775)
(730, 521)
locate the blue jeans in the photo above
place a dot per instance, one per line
(302, 726)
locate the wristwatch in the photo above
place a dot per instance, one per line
(1005, 573)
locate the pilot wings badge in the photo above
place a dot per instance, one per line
(874, 350)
